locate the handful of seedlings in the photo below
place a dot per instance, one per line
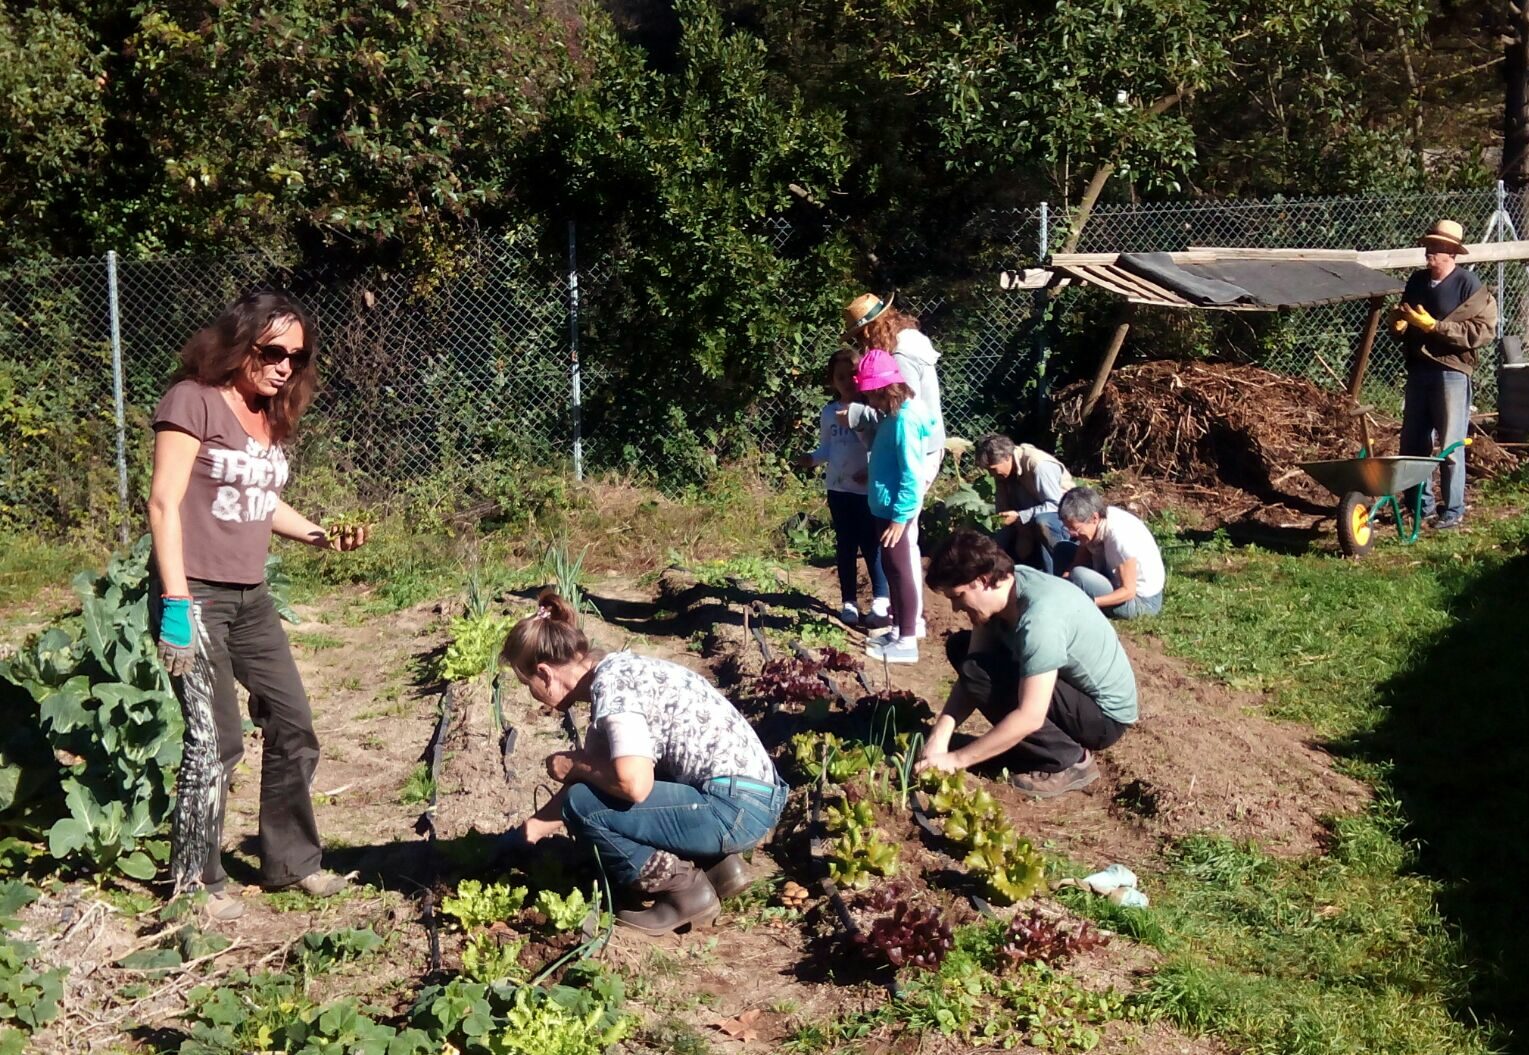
(346, 529)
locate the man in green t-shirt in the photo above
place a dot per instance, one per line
(1041, 663)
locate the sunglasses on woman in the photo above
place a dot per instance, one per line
(271, 354)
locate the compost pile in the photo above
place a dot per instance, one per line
(1223, 439)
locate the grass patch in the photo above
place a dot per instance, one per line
(315, 641)
(1402, 938)
(419, 787)
(30, 565)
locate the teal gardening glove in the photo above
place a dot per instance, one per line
(175, 635)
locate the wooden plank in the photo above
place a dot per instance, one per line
(1251, 253)
(1024, 278)
(1478, 253)
(1101, 278)
(1194, 256)
(1118, 339)
(1145, 287)
(1366, 343)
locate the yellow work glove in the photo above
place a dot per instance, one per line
(1398, 322)
(1419, 317)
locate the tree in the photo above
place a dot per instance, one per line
(721, 276)
(52, 116)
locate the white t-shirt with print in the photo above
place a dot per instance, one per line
(1121, 537)
(655, 709)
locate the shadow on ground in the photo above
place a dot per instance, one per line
(1457, 735)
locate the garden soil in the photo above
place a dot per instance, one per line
(1202, 759)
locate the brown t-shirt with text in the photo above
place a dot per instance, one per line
(231, 496)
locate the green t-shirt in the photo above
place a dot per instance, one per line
(1061, 629)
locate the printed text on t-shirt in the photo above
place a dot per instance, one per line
(251, 480)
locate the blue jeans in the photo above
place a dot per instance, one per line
(855, 536)
(1034, 543)
(725, 815)
(1096, 585)
(1436, 411)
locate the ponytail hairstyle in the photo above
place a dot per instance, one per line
(217, 352)
(549, 635)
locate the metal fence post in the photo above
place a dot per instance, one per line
(1039, 303)
(117, 388)
(1500, 221)
(576, 382)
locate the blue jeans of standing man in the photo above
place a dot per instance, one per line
(1435, 413)
(725, 815)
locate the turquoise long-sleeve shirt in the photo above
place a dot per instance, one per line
(897, 464)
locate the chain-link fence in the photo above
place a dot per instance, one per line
(431, 379)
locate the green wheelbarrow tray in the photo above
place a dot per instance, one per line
(1367, 486)
(1371, 476)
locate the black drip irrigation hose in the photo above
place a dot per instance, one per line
(425, 826)
(817, 841)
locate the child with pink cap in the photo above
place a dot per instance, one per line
(895, 493)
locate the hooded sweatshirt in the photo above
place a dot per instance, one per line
(916, 357)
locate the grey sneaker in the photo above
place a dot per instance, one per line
(1449, 523)
(322, 883)
(1050, 785)
(223, 907)
(894, 650)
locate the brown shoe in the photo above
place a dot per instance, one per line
(729, 877)
(683, 898)
(1049, 785)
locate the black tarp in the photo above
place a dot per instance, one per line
(1262, 283)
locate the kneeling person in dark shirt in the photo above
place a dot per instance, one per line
(1042, 664)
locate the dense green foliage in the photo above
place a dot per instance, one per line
(88, 757)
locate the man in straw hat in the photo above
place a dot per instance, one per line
(1445, 315)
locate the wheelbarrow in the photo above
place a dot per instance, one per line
(1366, 486)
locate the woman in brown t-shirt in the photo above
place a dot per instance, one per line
(215, 499)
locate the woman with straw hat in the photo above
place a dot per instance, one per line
(873, 322)
(1445, 314)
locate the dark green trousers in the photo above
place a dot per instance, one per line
(238, 639)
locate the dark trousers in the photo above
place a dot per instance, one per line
(897, 562)
(237, 637)
(1073, 723)
(855, 536)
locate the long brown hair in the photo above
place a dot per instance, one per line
(216, 353)
(549, 635)
(882, 331)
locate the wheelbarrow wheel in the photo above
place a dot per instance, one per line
(1356, 532)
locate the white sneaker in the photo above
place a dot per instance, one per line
(921, 629)
(849, 615)
(894, 650)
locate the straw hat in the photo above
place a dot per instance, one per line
(862, 311)
(1446, 235)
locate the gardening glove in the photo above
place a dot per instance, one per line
(175, 635)
(1398, 321)
(1419, 317)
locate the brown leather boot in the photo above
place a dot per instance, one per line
(681, 895)
(729, 877)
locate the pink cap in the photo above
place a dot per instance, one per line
(877, 369)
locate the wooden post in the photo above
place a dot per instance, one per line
(1367, 342)
(1122, 328)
